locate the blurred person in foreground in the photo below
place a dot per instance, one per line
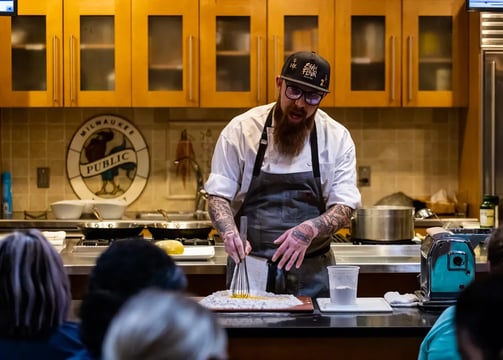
(124, 269)
(158, 324)
(35, 300)
(291, 169)
(478, 319)
(440, 342)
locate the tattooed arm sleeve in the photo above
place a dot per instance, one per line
(331, 220)
(221, 215)
(222, 218)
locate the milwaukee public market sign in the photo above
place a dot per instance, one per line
(108, 158)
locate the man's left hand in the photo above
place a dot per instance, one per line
(293, 245)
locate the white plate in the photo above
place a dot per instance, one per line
(364, 304)
(196, 252)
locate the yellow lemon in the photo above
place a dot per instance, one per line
(172, 247)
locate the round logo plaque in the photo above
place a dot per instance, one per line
(108, 158)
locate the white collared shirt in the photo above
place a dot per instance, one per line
(237, 146)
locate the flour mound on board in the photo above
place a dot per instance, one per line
(257, 300)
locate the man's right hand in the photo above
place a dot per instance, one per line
(233, 246)
(223, 220)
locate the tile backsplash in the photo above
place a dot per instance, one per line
(410, 150)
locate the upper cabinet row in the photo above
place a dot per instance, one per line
(226, 53)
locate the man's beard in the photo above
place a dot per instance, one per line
(291, 137)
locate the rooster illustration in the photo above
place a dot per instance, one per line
(96, 149)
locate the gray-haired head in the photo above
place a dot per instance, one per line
(34, 287)
(162, 324)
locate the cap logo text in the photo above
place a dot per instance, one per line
(310, 70)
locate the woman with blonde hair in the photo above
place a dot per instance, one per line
(160, 324)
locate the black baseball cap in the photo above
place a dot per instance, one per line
(307, 68)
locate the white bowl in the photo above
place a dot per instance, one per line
(67, 209)
(110, 209)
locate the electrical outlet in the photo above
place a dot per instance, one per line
(363, 175)
(43, 177)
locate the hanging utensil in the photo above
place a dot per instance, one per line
(240, 286)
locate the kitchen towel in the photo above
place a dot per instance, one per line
(395, 299)
(56, 238)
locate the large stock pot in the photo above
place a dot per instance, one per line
(383, 223)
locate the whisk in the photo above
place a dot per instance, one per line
(240, 287)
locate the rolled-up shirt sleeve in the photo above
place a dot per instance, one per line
(225, 176)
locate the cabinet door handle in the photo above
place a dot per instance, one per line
(393, 68)
(191, 40)
(72, 71)
(493, 126)
(409, 68)
(55, 67)
(275, 51)
(259, 57)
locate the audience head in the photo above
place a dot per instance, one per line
(34, 287)
(158, 324)
(495, 250)
(125, 268)
(479, 315)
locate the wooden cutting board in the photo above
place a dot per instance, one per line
(306, 306)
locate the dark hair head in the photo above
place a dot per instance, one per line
(478, 312)
(34, 287)
(124, 269)
(495, 250)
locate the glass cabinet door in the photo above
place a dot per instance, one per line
(434, 65)
(368, 71)
(97, 53)
(368, 53)
(307, 26)
(233, 38)
(31, 53)
(165, 61)
(435, 53)
(165, 56)
(301, 34)
(233, 53)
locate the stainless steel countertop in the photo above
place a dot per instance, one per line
(370, 258)
(19, 222)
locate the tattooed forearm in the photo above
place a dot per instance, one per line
(220, 213)
(332, 220)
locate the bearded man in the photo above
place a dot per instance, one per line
(291, 170)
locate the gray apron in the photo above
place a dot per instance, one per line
(275, 203)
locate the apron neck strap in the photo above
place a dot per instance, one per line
(263, 146)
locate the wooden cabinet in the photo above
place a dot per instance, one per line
(31, 55)
(96, 49)
(294, 25)
(199, 53)
(233, 53)
(401, 53)
(76, 55)
(165, 53)
(226, 53)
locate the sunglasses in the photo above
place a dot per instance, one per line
(293, 93)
